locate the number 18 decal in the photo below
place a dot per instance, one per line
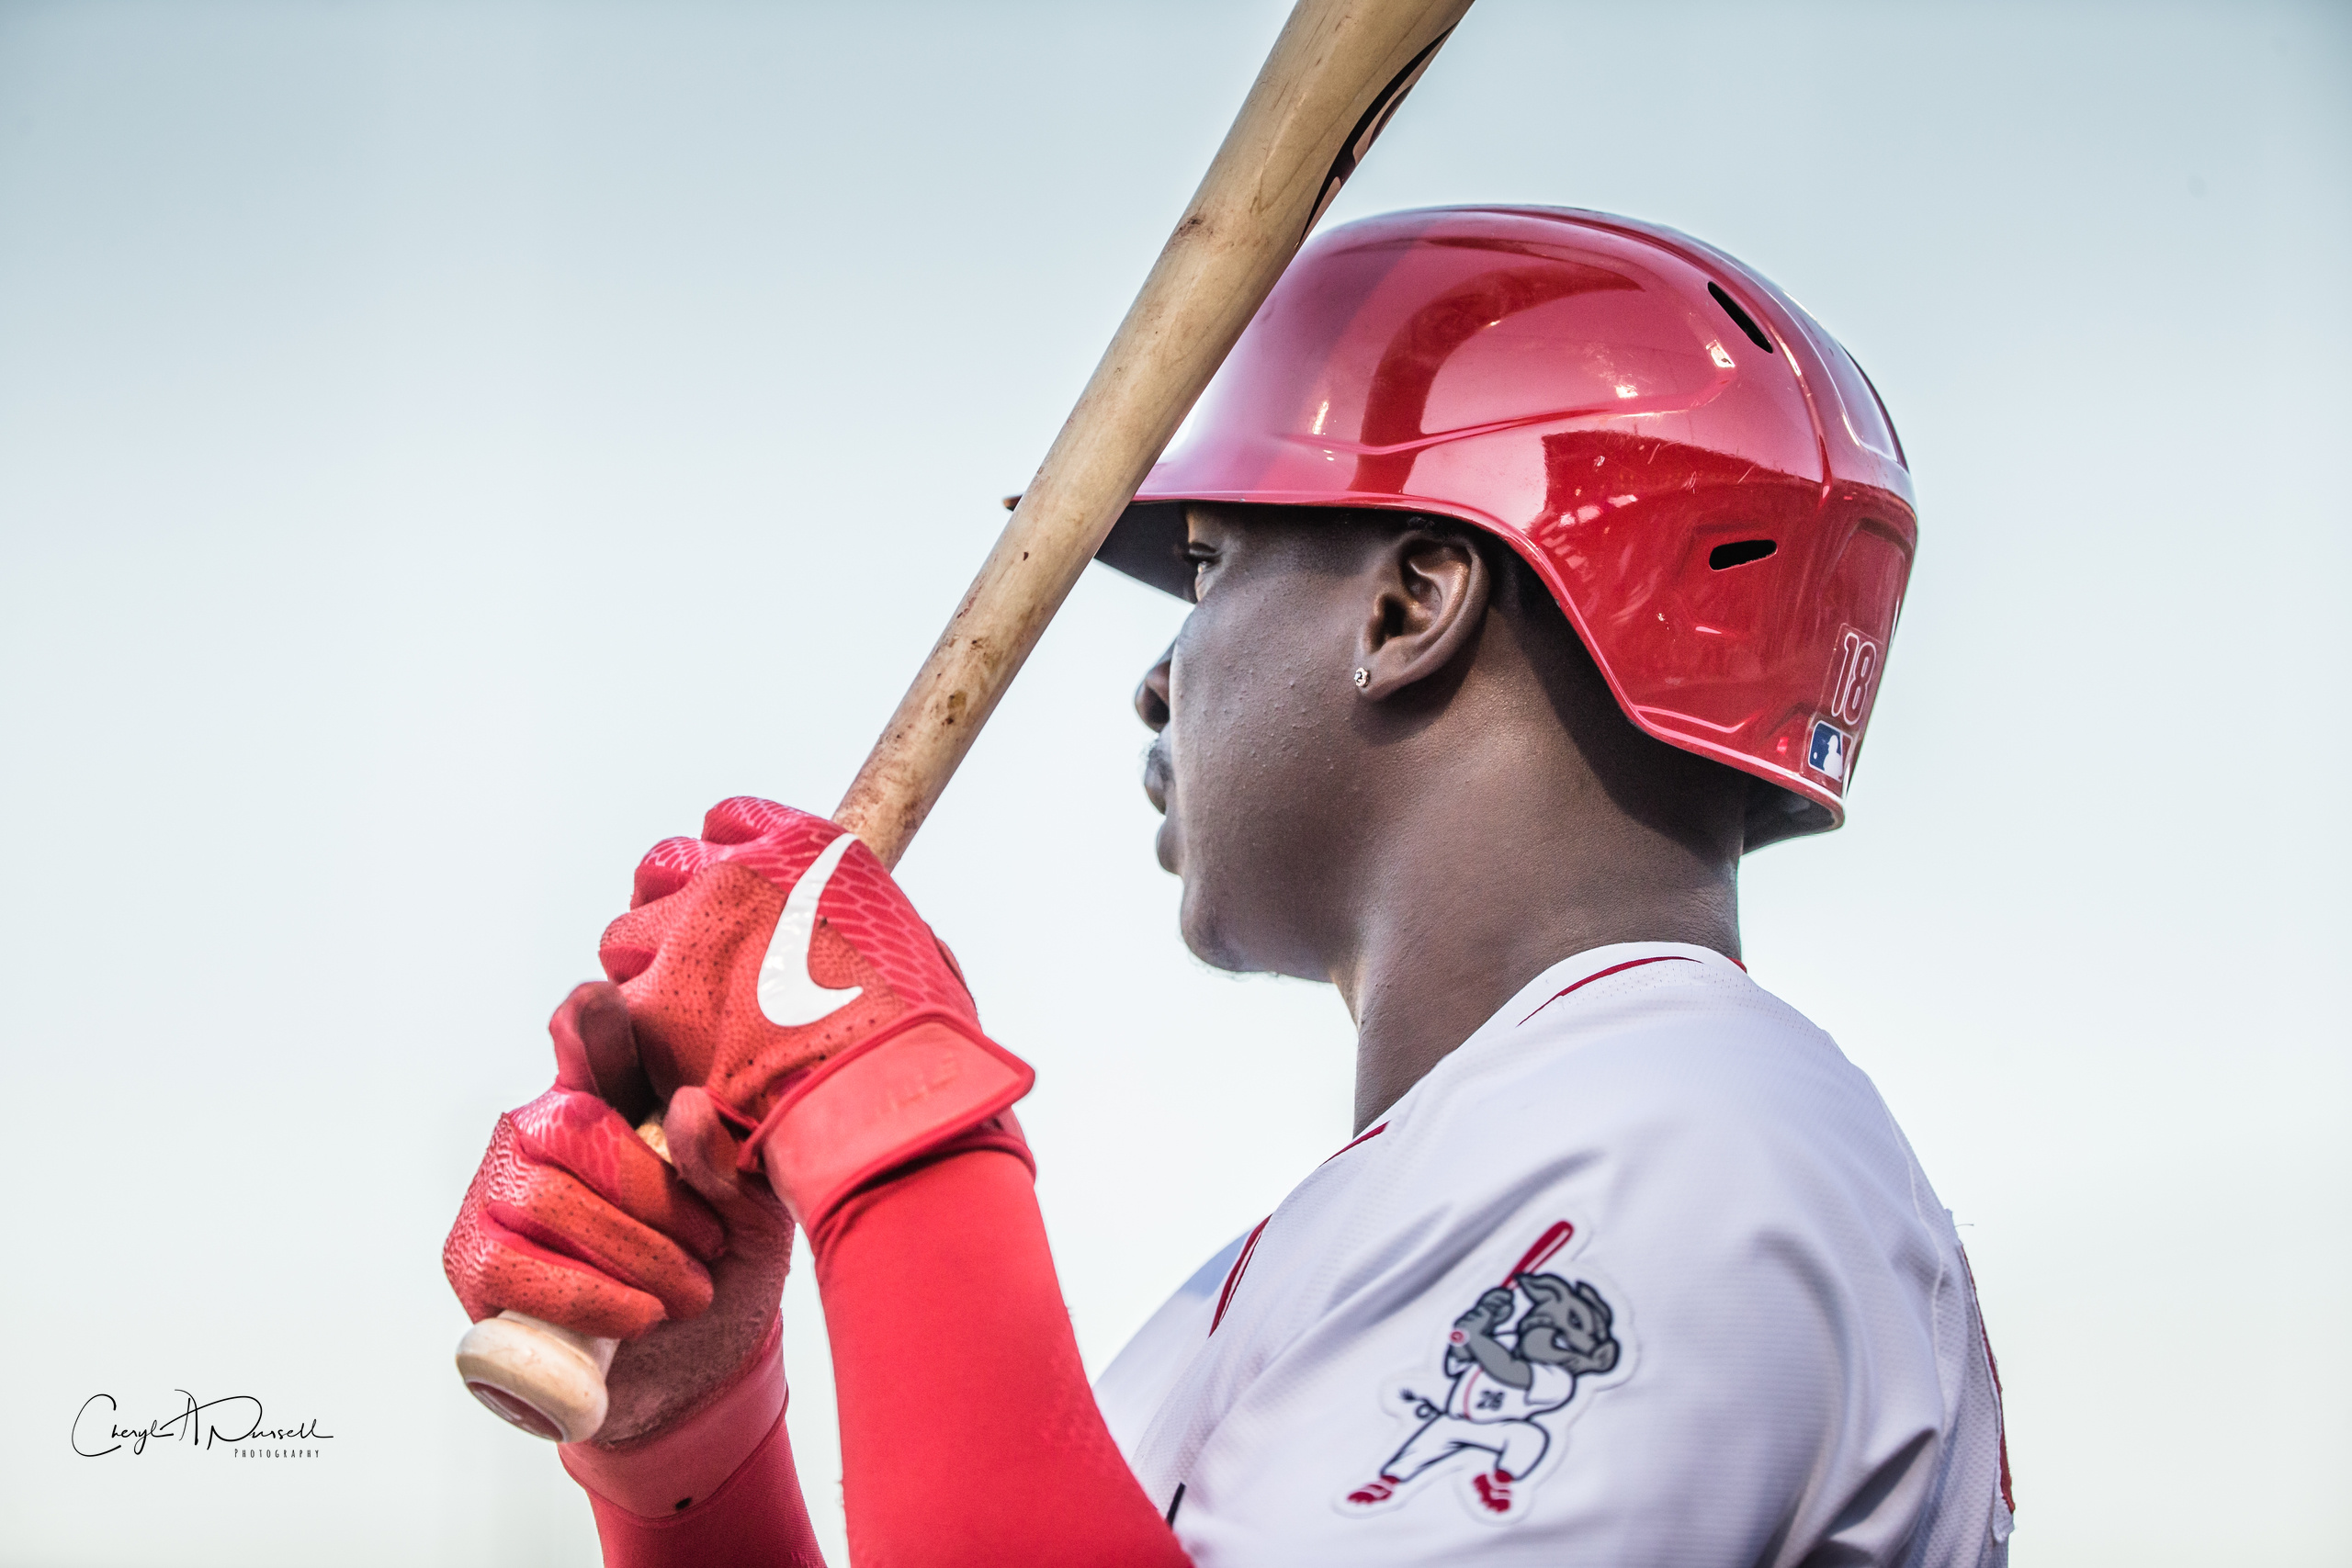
(1853, 678)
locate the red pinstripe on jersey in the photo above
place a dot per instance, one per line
(1233, 1275)
(1612, 969)
(1363, 1138)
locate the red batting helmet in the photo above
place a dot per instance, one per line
(1705, 481)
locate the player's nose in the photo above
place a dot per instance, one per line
(1151, 697)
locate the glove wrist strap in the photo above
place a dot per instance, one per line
(891, 1099)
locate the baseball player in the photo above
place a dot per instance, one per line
(1543, 563)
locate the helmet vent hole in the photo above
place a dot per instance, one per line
(1745, 321)
(1723, 558)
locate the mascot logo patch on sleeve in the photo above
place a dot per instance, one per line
(1508, 1371)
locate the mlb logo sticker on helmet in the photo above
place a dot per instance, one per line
(1827, 754)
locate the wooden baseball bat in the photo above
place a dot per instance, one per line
(1335, 76)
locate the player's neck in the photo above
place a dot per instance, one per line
(1464, 907)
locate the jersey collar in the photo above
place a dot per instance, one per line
(1541, 996)
(1570, 974)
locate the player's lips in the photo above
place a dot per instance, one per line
(1155, 775)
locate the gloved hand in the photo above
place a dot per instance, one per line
(774, 964)
(573, 1219)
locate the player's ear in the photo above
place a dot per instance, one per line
(1430, 594)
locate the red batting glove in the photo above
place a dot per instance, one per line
(774, 964)
(570, 1218)
(573, 1219)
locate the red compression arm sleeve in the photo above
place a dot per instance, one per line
(969, 1433)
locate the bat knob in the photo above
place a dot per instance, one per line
(546, 1379)
(1457, 1336)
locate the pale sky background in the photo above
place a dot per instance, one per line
(444, 448)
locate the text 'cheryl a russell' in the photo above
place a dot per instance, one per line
(233, 1420)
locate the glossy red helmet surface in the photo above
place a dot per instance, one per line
(1703, 478)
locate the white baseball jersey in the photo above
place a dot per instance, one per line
(1739, 1329)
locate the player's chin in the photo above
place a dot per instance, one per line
(1201, 917)
(1202, 936)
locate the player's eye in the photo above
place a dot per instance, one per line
(1201, 557)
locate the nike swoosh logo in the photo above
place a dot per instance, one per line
(790, 994)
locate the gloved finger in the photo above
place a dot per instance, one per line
(494, 1270)
(596, 1050)
(572, 1070)
(631, 943)
(582, 1135)
(667, 866)
(706, 1151)
(493, 1267)
(609, 1040)
(745, 818)
(563, 1218)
